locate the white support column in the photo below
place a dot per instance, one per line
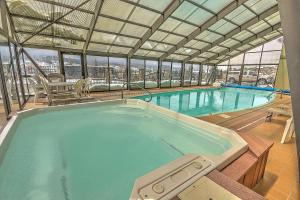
(290, 19)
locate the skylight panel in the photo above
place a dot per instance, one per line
(176, 57)
(120, 50)
(107, 24)
(125, 41)
(155, 54)
(143, 16)
(141, 52)
(170, 24)
(208, 36)
(149, 45)
(158, 35)
(162, 47)
(214, 6)
(134, 30)
(184, 10)
(184, 29)
(260, 6)
(241, 36)
(116, 8)
(258, 27)
(160, 5)
(207, 54)
(244, 47)
(185, 50)
(98, 47)
(273, 19)
(222, 27)
(229, 43)
(240, 15)
(103, 37)
(173, 39)
(197, 59)
(217, 49)
(257, 41)
(199, 16)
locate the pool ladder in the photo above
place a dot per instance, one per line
(275, 92)
(146, 91)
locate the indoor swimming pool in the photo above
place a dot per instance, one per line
(201, 102)
(97, 150)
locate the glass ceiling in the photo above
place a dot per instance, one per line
(187, 30)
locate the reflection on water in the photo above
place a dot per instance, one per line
(206, 101)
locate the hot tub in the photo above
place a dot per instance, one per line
(97, 150)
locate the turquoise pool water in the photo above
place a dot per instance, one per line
(209, 101)
(94, 152)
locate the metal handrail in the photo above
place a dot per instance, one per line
(275, 92)
(148, 92)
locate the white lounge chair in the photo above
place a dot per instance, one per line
(37, 88)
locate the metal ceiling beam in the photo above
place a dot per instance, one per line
(124, 20)
(253, 12)
(47, 21)
(212, 13)
(93, 53)
(71, 25)
(56, 3)
(59, 18)
(93, 24)
(12, 25)
(220, 15)
(108, 32)
(244, 51)
(246, 41)
(167, 12)
(95, 42)
(52, 36)
(91, 12)
(142, 6)
(237, 30)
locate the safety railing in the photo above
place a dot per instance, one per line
(146, 91)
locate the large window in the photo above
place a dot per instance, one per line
(137, 73)
(234, 73)
(4, 108)
(97, 68)
(46, 59)
(237, 60)
(151, 75)
(206, 74)
(24, 76)
(166, 74)
(250, 73)
(221, 73)
(266, 76)
(19, 81)
(195, 74)
(259, 66)
(118, 72)
(72, 67)
(10, 81)
(176, 74)
(270, 57)
(252, 58)
(187, 74)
